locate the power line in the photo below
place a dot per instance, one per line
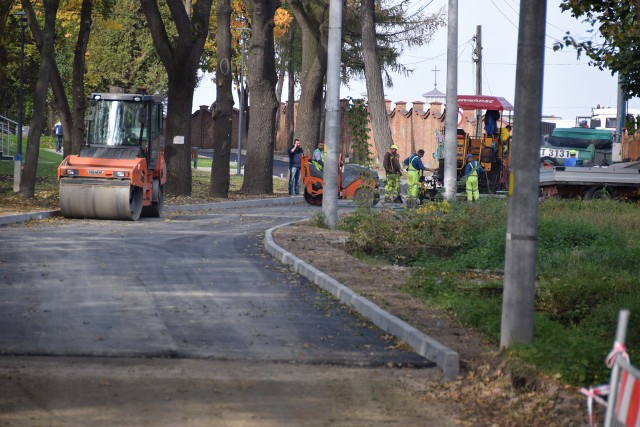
(505, 16)
(463, 44)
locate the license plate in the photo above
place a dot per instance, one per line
(557, 153)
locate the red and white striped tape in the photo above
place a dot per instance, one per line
(594, 394)
(619, 349)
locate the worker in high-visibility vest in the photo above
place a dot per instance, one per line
(471, 172)
(318, 156)
(414, 166)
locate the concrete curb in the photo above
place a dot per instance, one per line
(14, 219)
(445, 358)
(276, 201)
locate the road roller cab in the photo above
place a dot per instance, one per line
(120, 171)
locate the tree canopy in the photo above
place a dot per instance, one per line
(614, 39)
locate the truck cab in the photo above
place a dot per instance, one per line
(593, 146)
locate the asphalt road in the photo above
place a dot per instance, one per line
(195, 286)
(191, 287)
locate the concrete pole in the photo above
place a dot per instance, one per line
(520, 255)
(17, 165)
(241, 104)
(332, 117)
(451, 113)
(616, 153)
(478, 54)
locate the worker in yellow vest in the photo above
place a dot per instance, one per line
(471, 172)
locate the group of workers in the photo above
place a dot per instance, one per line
(393, 170)
(414, 167)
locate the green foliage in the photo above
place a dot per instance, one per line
(358, 129)
(617, 23)
(631, 124)
(121, 51)
(587, 257)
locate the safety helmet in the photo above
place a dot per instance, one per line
(394, 146)
(469, 156)
(572, 152)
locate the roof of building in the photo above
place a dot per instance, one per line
(435, 93)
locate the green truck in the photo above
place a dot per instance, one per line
(593, 146)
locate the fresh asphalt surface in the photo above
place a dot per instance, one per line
(191, 285)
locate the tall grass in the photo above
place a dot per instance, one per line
(587, 270)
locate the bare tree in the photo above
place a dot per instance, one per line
(223, 107)
(261, 84)
(181, 58)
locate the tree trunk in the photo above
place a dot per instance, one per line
(177, 150)
(313, 19)
(377, 109)
(77, 131)
(57, 86)
(223, 111)
(258, 178)
(181, 59)
(28, 182)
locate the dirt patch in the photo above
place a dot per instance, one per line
(489, 391)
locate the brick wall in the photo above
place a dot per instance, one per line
(203, 128)
(413, 127)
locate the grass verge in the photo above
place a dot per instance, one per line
(587, 255)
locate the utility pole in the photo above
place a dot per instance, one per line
(17, 165)
(241, 106)
(478, 60)
(451, 114)
(332, 120)
(616, 154)
(518, 298)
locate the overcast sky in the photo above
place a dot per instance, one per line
(571, 86)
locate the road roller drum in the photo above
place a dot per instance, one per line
(102, 199)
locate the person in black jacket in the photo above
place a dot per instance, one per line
(295, 155)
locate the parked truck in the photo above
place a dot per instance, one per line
(620, 180)
(593, 147)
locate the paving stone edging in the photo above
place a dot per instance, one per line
(446, 359)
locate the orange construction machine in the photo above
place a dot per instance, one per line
(120, 172)
(355, 182)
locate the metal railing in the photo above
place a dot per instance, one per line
(7, 128)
